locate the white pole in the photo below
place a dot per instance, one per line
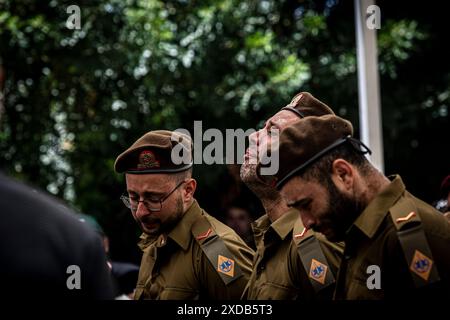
(368, 84)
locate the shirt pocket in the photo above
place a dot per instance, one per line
(275, 291)
(175, 293)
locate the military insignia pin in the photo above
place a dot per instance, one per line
(318, 271)
(147, 160)
(421, 265)
(295, 101)
(225, 265)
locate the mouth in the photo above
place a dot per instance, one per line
(150, 223)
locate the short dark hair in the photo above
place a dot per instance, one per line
(321, 169)
(183, 175)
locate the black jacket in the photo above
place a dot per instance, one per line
(39, 240)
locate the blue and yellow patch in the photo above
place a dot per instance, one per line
(421, 265)
(225, 265)
(318, 271)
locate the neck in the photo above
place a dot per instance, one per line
(375, 183)
(187, 205)
(274, 208)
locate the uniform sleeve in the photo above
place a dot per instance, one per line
(299, 276)
(333, 252)
(213, 284)
(242, 253)
(397, 277)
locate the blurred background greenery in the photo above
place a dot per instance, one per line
(75, 99)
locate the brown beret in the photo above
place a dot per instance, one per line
(152, 153)
(305, 141)
(305, 104)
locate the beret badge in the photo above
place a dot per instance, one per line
(147, 160)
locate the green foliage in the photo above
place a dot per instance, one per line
(75, 99)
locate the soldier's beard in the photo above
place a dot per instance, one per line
(253, 182)
(340, 214)
(165, 227)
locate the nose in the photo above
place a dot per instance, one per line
(141, 210)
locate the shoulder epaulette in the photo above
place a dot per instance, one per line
(414, 243)
(216, 251)
(313, 259)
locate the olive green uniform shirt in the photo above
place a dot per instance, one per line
(278, 272)
(373, 241)
(201, 258)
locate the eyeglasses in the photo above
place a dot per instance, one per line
(153, 205)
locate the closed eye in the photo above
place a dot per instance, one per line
(133, 196)
(152, 199)
(147, 196)
(153, 196)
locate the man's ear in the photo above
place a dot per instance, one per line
(189, 189)
(343, 175)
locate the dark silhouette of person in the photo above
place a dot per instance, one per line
(45, 251)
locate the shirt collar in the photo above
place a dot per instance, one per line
(181, 233)
(259, 226)
(146, 240)
(284, 224)
(373, 215)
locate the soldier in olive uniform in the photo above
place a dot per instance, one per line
(291, 262)
(187, 254)
(396, 246)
